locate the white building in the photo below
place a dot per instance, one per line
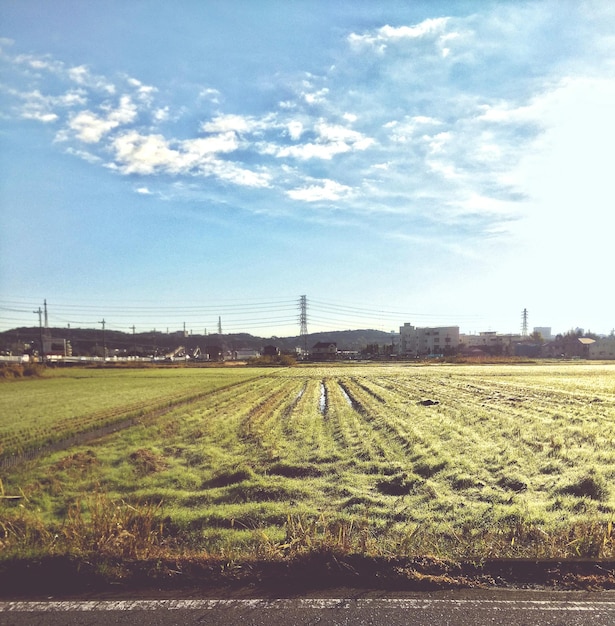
(424, 341)
(602, 348)
(490, 342)
(545, 332)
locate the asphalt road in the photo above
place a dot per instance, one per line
(451, 608)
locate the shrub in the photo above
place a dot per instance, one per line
(10, 371)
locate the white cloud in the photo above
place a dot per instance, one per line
(426, 27)
(90, 127)
(326, 190)
(139, 154)
(213, 95)
(39, 107)
(39, 116)
(39, 63)
(315, 97)
(85, 155)
(161, 114)
(377, 40)
(404, 131)
(340, 134)
(331, 140)
(82, 76)
(325, 151)
(230, 172)
(203, 147)
(235, 123)
(143, 191)
(295, 129)
(151, 154)
(144, 92)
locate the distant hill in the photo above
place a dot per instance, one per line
(345, 339)
(89, 341)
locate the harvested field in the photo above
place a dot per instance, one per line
(454, 462)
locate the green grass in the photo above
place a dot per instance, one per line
(65, 402)
(504, 461)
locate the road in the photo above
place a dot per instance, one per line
(450, 608)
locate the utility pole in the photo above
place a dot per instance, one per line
(303, 332)
(40, 327)
(104, 343)
(134, 343)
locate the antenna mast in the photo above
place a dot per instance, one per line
(524, 323)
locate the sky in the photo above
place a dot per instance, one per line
(203, 163)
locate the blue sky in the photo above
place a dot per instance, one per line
(426, 162)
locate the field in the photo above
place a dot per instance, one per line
(452, 461)
(68, 402)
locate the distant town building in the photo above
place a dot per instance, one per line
(214, 352)
(324, 351)
(55, 346)
(271, 350)
(545, 332)
(430, 340)
(602, 348)
(245, 353)
(489, 342)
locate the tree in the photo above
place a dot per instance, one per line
(536, 337)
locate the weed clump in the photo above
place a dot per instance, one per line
(78, 461)
(13, 371)
(147, 462)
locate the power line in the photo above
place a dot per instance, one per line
(239, 316)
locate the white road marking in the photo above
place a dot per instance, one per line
(315, 603)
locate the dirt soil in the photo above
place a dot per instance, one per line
(63, 577)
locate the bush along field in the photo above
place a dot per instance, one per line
(463, 463)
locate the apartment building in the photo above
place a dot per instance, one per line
(429, 340)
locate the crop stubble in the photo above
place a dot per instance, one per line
(452, 460)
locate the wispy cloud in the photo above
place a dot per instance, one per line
(325, 190)
(379, 39)
(410, 120)
(90, 127)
